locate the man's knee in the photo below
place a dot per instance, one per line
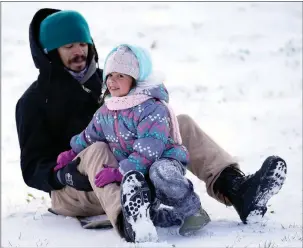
(95, 156)
(98, 146)
(187, 127)
(94, 149)
(184, 118)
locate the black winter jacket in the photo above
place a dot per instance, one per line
(52, 110)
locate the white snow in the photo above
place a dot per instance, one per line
(236, 68)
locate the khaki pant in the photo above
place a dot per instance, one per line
(207, 160)
(106, 200)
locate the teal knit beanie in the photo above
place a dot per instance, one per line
(63, 27)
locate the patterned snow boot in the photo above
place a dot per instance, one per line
(136, 201)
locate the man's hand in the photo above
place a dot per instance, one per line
(69, 175)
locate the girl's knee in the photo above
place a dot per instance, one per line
(169, 182)
(157, 169)
(166, 170)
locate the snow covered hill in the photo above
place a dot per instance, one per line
(236, 68)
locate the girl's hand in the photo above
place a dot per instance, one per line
(108, 175)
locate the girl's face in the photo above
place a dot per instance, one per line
(119, 84)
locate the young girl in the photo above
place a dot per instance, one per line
(142, 132)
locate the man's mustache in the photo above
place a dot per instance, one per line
(77, 59)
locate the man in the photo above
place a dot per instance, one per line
(60, 104)
(62, 101)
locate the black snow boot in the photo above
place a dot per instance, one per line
(136, 201)
(250, 194)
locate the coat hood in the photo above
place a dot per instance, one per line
(40, 59)
(153, 86)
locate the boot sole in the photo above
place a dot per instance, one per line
(135, 195)
(271, 181)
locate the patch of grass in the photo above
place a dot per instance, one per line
(42, 243)
(30, 197)
(288, 238)
(295, 226)
(269, 244)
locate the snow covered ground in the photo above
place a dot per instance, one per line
(236, 68)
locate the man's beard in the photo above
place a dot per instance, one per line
(78, 58)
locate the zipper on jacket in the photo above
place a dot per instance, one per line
(116, 124)
(86, 89)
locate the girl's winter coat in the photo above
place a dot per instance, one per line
(138, 135)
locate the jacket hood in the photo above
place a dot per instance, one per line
(40, 58)
(153, 86)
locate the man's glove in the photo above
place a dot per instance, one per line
(69, 175)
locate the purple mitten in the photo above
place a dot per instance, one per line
(64, 158)
(107, 175)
